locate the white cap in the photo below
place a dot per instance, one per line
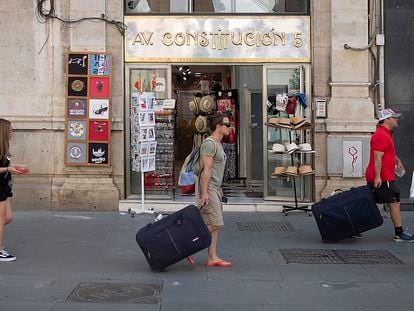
(387, 113)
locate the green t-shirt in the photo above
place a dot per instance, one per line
(215, 150)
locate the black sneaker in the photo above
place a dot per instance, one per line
(5, 256)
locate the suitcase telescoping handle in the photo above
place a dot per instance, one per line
(337, 191)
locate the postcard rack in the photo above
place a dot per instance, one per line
(162, 179)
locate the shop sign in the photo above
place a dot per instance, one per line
(217, 39)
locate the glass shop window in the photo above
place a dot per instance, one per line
(280, 7)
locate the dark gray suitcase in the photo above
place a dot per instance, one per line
(346, 214)
(173, 238)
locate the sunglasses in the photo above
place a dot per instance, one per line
(226, 124)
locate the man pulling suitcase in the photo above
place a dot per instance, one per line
(380, 172)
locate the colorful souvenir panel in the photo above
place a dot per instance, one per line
(98, 108)
(76, 153)
(76, 108)
(99, 87)
(99, 64)
(87, 127)
(78, 64)
(76, 130)
(77, 86)
(98, 153)
(99, 130)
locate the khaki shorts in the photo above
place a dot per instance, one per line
(212, 213)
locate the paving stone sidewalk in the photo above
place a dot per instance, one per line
(90, 261)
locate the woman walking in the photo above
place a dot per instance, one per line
(5, 184)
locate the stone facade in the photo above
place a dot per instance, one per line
(343, 77)
(32, 96)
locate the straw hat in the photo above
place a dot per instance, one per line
(192, 124)
(280, 122)
(306, 148)
(273, 121)
(201, 124)
(207, 104)
(305, 170)
(298, 122)
(278, 171)
(284, 122)
(194, 105)
(278, 148)
(291, 171)
(291, 147)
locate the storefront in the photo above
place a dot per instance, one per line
(254, 67)
(244, 53)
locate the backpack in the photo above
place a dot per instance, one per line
(192, 166)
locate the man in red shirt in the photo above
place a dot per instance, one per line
(381, 170)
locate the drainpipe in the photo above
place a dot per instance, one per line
(381, 87)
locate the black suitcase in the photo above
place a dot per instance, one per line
(173, 238)
(346, 214)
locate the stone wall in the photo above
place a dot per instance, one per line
(32, 96)
(342, 76)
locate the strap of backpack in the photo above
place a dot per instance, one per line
(215, 151)
(194, 154)
(215, 145)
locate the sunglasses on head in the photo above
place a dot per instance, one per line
(226, 124)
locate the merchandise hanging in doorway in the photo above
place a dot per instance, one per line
(227, 103)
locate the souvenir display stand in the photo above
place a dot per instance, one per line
(162, 179)
(143, 139)
(297, 152)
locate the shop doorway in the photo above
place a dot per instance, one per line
(254, 155)
(191, 84)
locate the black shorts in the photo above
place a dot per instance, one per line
(5, 191)
(388, 192)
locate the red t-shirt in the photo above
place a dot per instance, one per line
(381, 141)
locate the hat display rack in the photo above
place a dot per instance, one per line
(292, 147)
(202, 105)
